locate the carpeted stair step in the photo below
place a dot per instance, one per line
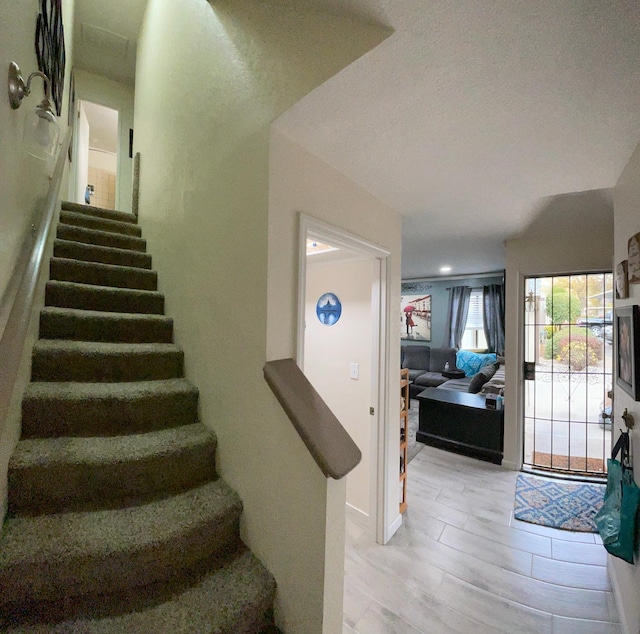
(233, 596)
(103, 298)
(100, 224)
(95, 253)
(51, 557)
(99, 212)
(107, 409)
(93, 361)
(89, 325)
(98, 274)
(53, 475)
(101, 238)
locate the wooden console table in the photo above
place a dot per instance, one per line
(460, 422)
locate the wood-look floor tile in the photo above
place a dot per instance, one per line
(529, 542)
(564, 625)
(382, 585)
(441, 572)
(555, 599)
(355, 600)
(458, 564)
(579, 553)
(411, 566)
(569, 574)
(501, 614)
(476, 506)
(487, 550)
(417, 523)
(380, 620)
(556, 533)
(435, 617)
(446, 514)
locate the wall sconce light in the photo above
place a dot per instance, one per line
(41, 129)
(530, 302)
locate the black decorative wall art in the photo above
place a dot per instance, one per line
(50, 47)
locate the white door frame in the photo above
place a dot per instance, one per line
(383, 476)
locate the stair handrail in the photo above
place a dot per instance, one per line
(327, 440)
(17, 299)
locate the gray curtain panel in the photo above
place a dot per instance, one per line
(457, 316)
(493, 307)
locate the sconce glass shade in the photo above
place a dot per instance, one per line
(41, 133)
(41, 129)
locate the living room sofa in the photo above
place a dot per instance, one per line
(453, 413)
(426, 364)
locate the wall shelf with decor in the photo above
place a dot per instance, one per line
(404, 430)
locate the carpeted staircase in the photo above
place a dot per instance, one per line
(117, 520)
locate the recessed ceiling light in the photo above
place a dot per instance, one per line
(445, 269)
(314, 247)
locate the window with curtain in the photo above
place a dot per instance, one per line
(474, 337)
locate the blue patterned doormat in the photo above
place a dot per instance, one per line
(558, 503)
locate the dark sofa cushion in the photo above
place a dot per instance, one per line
(440, 356)
(461, 385)
(415, 374)
(480, 378)
(430, 379)
(416, 357)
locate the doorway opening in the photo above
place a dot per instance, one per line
(568, 335)
(346, 359)
(96, 155)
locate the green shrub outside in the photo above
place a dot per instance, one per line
(575, 346)
(562, 307)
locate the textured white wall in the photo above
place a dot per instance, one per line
(571, 233)
(23, 180)
(329, 351)
(300, 182)
(626, 198)
(120, 97)
(211, 77)
(23, 187)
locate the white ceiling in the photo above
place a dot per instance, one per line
(468, 120)
(105, 37)
(472, 115)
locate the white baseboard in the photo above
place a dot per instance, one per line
(624, 623)
(355, 512)
(512, 466)
(395, 525)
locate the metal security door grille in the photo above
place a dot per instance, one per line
(568, 337)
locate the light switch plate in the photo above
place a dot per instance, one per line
(354, 371)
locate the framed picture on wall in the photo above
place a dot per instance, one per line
(628, 359)
(633, 263)
(622, 280)
(415, 317)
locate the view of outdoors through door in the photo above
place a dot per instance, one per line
(568, 372)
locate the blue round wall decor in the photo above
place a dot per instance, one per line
(328, 309)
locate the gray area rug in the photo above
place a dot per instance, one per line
(414, 447)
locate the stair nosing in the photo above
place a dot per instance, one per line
(47, 452)
(101, 287)
(106, 266)
(137, 239)
(100, 248)
(65, 213)
(100, 314)
(80, 208)
(116, 530)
